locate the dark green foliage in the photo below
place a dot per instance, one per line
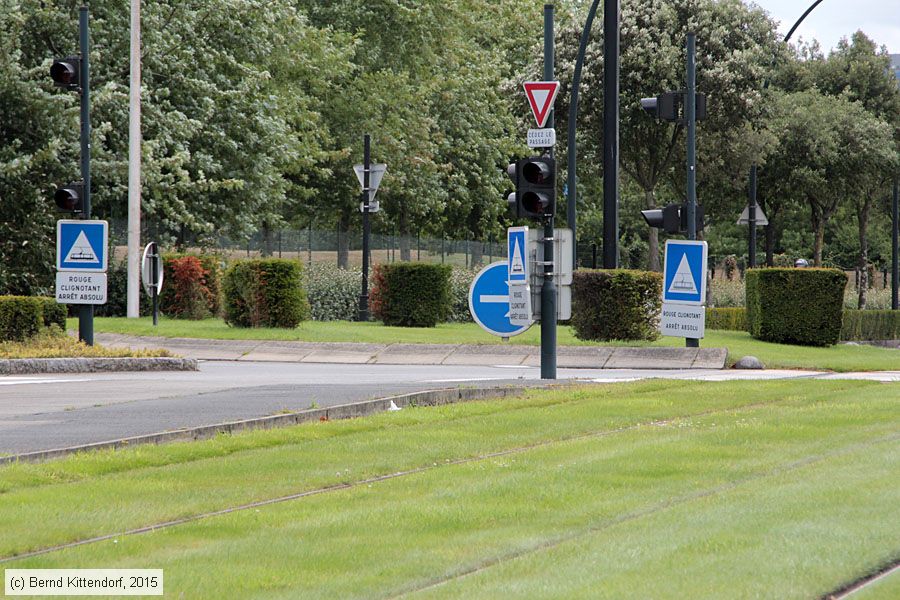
(795, 306)
(616, 305)
(412, 294)
(730, 318)
(265, 293)
(21, 317)
(54, 313)
(871, 325)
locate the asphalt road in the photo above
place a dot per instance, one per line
(56, 411)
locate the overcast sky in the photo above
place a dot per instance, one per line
(834, 19)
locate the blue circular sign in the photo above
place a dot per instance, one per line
(489, 301)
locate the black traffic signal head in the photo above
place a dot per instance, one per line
(664, 107)
(670, 107)
(698, 215)
(66, 72)
(667, 218)
(70, 198)
(672, 218)
(536, 191)
(535, 181)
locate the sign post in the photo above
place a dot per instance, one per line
(369, 176)
(152, 276)
(81, 263)
(519, 270)
(684, 290)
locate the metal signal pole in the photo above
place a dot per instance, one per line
(85, 311)
(548, 289)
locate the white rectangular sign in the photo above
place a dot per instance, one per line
(520, 304)
(541, 138)
(79, 287)
(562, 255)
(682, 320)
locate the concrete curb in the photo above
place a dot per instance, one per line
(568, 357)
(32, 366)
(341, 411)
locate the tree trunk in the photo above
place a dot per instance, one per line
(862, 216)
(403, 227)
(819, 226)
(653, 235)
(343, 241)
(477, 249)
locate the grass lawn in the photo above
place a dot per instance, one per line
(835, 358)
(782, 489)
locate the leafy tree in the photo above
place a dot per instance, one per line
(33, 150)
(735, 47)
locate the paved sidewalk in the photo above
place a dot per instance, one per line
(568, 357)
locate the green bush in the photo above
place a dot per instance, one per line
(409, 294)
(333, 292)
(265, 293)
(870, 325)
(460, 282)
(54, 313)
(22, 317)
(731, 318)
(616, 305)
(795, 306)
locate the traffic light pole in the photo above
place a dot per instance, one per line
(85, 311)
(548, 289)
(364, 293)
(690, 114)
(895, 242)
(611, 134)
(751, 219)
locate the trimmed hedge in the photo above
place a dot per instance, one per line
(54, 313)
(870, 325)
(728, 318)
(409, 294)
(22, 317)
(616, 305)
(265, 293)
(795, 306)
(333, 292)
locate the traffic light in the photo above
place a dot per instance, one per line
(66, 72)
(670, 106)
(667, 218)
(535, 181)
(70, 198)
(672, 218)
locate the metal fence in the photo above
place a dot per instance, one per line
(313, 245)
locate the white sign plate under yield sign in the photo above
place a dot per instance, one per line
(541, 96)
(541, 138)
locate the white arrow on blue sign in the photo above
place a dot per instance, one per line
(82, 245)
(489, 301)
(685, 272)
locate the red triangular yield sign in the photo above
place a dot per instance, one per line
(541, 96)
